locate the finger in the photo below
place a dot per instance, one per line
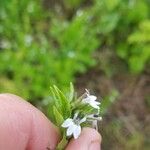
(89, 139)
(22, 126)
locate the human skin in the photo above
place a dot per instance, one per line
(24, 127)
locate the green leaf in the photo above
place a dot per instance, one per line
(61, 102)
(57, 101)
(58, 117)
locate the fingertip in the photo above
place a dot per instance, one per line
(89, 139)
(92, 133)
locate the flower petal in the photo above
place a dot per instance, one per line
(94, 105)
(67, 123)
(71, 129)
(85, 100)
(89, 99)
(92, 97)
(77, 131)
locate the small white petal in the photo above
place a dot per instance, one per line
(94, 105)
(85, 100)
(92, 97)
(71, 129)
(77, 132)
(67, 123)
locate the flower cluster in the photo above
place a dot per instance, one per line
(70, 113)
(85, 111)
(73, 125)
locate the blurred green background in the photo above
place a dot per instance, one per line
(102, 45)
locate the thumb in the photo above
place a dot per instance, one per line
(89, 139)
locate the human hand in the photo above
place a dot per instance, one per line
(23, 127)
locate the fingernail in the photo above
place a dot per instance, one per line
(95, 146)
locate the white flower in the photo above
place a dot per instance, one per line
(91, 100)
(73, 126)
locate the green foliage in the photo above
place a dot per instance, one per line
(137, 51)
(41, 47)
(121, 20)
(61, 102)
(72, 3)
(31, 58)
(140, 41)
(22, 56)
(73, 40)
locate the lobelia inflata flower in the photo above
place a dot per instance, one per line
(73, 125)
(71, 113)
(91, 100)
